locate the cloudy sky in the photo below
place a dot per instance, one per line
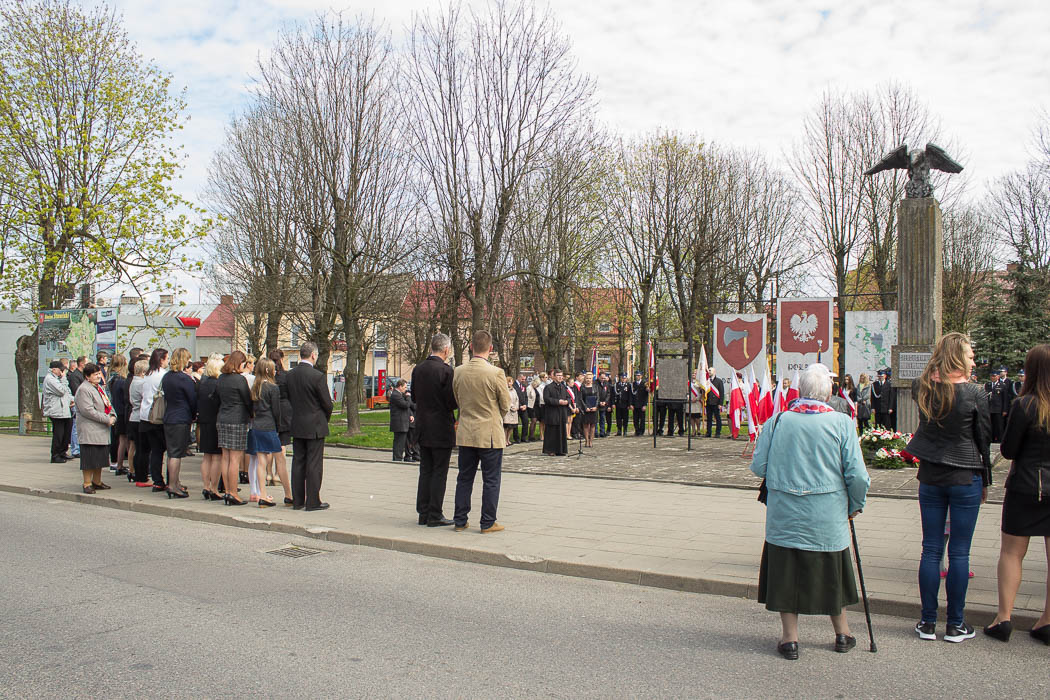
(740, 72)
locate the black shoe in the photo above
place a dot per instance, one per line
(422, 520)
(232, 500)
(176, 493)
(1001, 630)
(321, 506)
(439, 523)
(58, 460)
(789, 650)
(1041, 633)
(708, 435)
(297, 507)
(243, 477)
(926, 630)
(289, 502)
(957, 633)
(844, 642)
(68, 457)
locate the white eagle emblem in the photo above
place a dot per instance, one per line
(804, 327)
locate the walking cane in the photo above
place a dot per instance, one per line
(863, 588)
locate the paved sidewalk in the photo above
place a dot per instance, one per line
(668, 535)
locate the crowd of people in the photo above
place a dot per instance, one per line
(151, 409)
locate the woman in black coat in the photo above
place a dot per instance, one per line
(284, 427)
(1026, 507)
(208, 442)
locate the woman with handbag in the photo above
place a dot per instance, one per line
(816, 480)
(95, 417)
(955, 471)
(151, 416)
(864, 403)
(1026, 507)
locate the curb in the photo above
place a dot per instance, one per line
(977, 615)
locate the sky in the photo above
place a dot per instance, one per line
(743, 73)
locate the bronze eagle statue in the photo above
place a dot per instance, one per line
(918, 164)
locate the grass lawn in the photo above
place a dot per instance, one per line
(375, 426)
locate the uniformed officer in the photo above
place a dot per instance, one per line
(639, 401)
(998, 402)
(623, 400)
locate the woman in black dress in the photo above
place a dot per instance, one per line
(588, 403)
(1026, 507)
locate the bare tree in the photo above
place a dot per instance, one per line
(489, 92)
(968, 256)
(1019, 207)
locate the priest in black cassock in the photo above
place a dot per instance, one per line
(555, 414)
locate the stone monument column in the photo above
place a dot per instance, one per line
(919, 279)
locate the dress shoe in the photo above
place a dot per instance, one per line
(298, 507)
(789, 650)
(289, 502)
(102, 487)
(494, 527)
(58, 460)
(461, 528)
(319, 506)
(439, 523)
(1042, 634)
(89, 489)
(1000, 630)
(422, 520)
(844, 642)
(243, 477)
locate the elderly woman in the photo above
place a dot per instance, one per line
(811, 461)
(95, 416)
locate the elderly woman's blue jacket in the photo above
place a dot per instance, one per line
(816, 477)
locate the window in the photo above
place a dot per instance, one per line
(295, 331)
(605, 327)
(381, 338)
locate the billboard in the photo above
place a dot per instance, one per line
(870, 336)
(740, 341)
(804, 332)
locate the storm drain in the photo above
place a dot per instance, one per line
(295, 552)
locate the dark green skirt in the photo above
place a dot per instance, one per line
(806, 583)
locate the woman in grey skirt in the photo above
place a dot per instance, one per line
(811, 461)
(95, 416)
(235, 413)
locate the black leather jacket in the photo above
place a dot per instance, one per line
(961, 438)
(1028, 445)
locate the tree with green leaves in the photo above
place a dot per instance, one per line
(87, 163)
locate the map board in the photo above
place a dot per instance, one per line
(870, 337)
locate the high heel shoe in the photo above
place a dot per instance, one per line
(1042, 634)
(232, 500)
(1000, 630)
(215, 495)
(175, 493)
(131, 476)
(206, 494)
(266, 504)
(288, 501)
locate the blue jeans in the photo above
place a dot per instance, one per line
(935, 503)
(491, 461)
(74, 441)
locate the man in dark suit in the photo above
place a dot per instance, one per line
(400, 420)
(523, 405)
(311, 410)
(435, 429)
(998, 403)
(889, 401)
(639, 402)
(605, 400)
(714, 402)
(878, 399)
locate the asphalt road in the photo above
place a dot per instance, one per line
(102, 603)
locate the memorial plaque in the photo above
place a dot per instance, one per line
(670, 347)
(674, 378)
(909, 361)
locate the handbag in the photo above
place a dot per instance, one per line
(156, 411)
(763, 492)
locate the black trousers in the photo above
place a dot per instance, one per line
(714, 414)
(891, 421)
(412, 446)
(639, 421)
(140, 464)
(400, 440)
(154, 444)
(661, 416)
(676, 412)
(307, 470)
(490, 459)
(997, 426)
(623, 416)
(882, 419)
(61, 432)
(433, 475)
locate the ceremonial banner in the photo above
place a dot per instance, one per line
(740, 342)
(870, 336)
(804, 331)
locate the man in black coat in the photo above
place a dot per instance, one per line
(521, 430)
(639, 401)
(713, 404)
(998, 403)
(605, 403)
(878, 398)
(889, 401)
(435, 429)
(622, 400)
(311, 410)
(400, 419)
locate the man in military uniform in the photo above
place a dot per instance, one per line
(623, 400)
(639, 401)
(998, 402)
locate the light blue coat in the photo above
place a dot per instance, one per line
(816, 477)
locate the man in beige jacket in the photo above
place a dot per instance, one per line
(481, 393)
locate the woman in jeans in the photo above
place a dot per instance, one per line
(231, 422)
(955, 471)
(1026, 508)
(180, 394)
(154, 432)
(263, 440)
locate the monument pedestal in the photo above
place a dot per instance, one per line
(919, 279)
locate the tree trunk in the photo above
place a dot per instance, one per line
(273, 327)
(26, 359)
(352, 390)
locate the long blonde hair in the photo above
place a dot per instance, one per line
(935, 392)
(264, 373)
(119, 365)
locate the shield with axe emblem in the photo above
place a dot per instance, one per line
(740, 341)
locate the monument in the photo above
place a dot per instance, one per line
(919, 271)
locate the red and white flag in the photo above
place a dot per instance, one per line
(852, 404)
(754, 418)
(792, 392)
(653, 383)
(736, 407)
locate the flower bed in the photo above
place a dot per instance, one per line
(884, 449)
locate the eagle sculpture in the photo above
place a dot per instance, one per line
(918, 164)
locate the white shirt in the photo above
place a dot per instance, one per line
(150, 387)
